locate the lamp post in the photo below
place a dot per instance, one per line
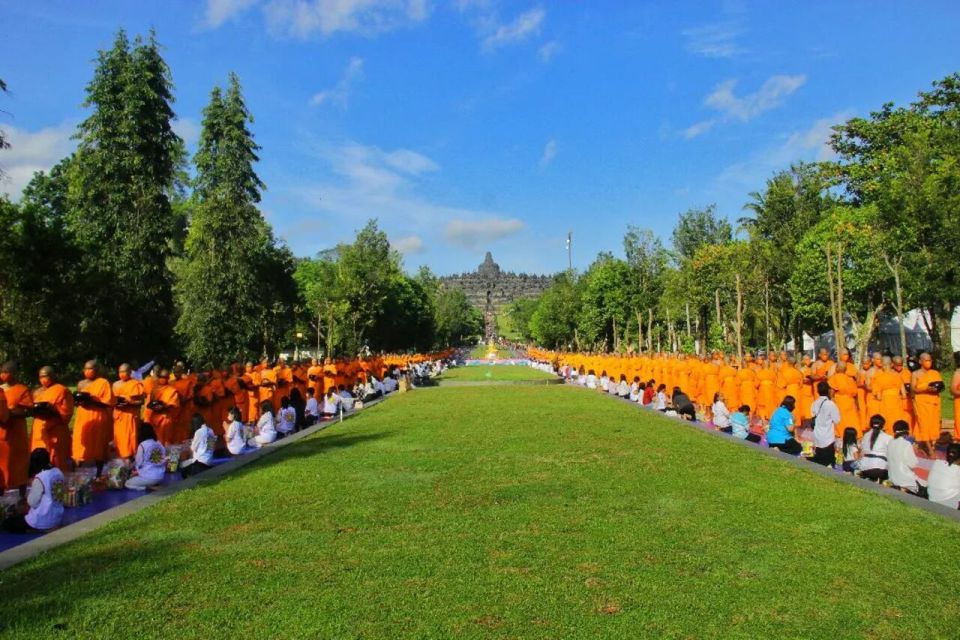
(296, 348)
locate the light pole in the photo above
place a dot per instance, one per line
(570, 250)
(296, 348)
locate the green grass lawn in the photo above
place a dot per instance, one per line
(503, 512)
(496, 372)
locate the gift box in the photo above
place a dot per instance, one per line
(173, 458)
(117, 473)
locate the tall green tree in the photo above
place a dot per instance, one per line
(699, 227)
(554, 322)
(457, 321)
(231, 279)
(119, 210)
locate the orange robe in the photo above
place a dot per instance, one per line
(52, 431)
(711, 383)
(730, 387)
(886, 388)
(805, 400)
(748, 388)
(253, 396)
(268, 382)
(126, 419)
(315, 380)
(164, 423)
(330, 377)
(92, 426)
(927, 406)
(205, 403)
(789, 380)
(845, 397)
(14, 444)
(906, 377)
(179, 430)
(766, 393)
(238, 395)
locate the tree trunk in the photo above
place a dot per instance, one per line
(649, 329)
(894, 266)
(739, 320)
(639, 332)
(766, 314)
(669, 331)
(616, 339)
(688, 320)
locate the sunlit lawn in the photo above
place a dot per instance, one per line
(503, 512)
(497, 372)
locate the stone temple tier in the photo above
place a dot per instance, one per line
(490, 290)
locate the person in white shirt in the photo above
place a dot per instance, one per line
(45, 497)
(202, 446)
(346, 399)
(266, 429)
(331, 403)
(851, 450)
(604, 381)
(901, 459)
(233, 430)
(873, 448)
(311, 411)
(389, 385)
(826, 416)
(635, 389)
(721, 414)
(660, 403)
(591, 380)
(150, 461)
(943, 483)
(378, 386)
(286, 418)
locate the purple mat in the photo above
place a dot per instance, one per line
(101, 502)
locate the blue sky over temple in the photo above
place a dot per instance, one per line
(468, 126)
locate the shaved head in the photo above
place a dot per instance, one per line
(46, 372)
(8, 367)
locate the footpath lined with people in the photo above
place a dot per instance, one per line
(880, 421)
(65, 456)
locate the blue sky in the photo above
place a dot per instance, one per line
(472, 125)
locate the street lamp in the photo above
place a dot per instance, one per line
(296, 348)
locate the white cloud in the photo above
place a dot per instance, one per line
(371, 182)
(731, 107)
(751, 105)
(547, 51)
(340, 94)
(524, 26)
(471, 233)
(303, 18)
(407, 245)
(549, 152)
(698, 129)
(810, 144)
(715, 40)
(32, 151)
(220, 11)
(188, 129)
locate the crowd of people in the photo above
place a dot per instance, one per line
(51, 430)
(880, 419)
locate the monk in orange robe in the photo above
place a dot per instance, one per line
(129, 398)
(204, 399)
(234, 385)
(52, 410)
(789, 380)
(330, 375)
(766, 391)
(906, 378)
(183, 383)
(268, 384)
(820, 369)
(872, 406)
(927, 386)
(92, 425)
(806, 397)
(748, 387)
(164, 405)
(845, 397)
(730, 386)
(251, 378)
(221, 401)
(14, 444)
(889, 393)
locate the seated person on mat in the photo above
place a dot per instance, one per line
(682, 405)
(233, 431)
(873, 448)
(201, 447)
(780, 429)
(721, 414)
(266, 429)
(150, 461)
(740, 425)
(45, 497)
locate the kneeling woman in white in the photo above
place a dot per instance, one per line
(202, 447)
(45, 497)
(943, 483)
(151, 460)
(266, 429)
(234, 433)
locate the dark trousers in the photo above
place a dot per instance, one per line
(877, 475)
(791, 446)
(824, 455)
(752, 437)
(194, 469)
